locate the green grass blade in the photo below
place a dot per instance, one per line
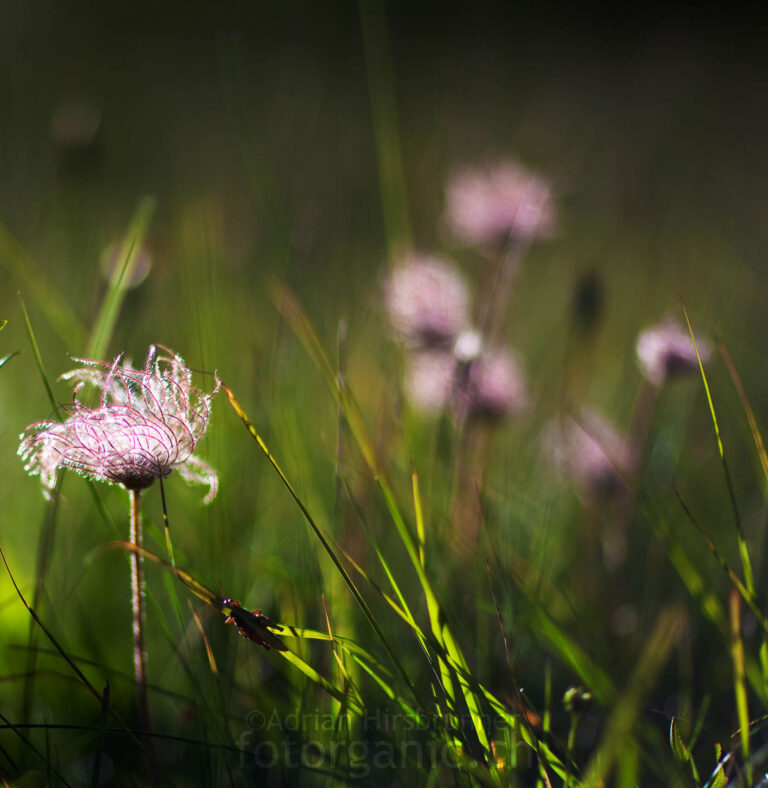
(33, 280)
(419, 513)
(404, 614)
(321, 537)
(440, 630)
(96, 771)
(349, 645)
(443, 669)
(392, 183)
(739, 586)
(5, 359)
(618, 730)
(38, 358)
(377, 671)
(756, 436)
(541, 748)
(295, 660)
(128, 257)
(739, 679)
(546, 627)
(292, 312)
(294, 316)
(401, 607)
(460, 669)
(44, 553)
(79, 673)
(746, 562)
(708, 602)
(43, 757)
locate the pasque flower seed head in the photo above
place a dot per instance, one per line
(147, 424)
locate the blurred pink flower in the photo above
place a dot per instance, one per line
(665, 351)
(429, 380)
(147, 424)
(427, 301)
(591, 454)
(494, 387)
(488, 205)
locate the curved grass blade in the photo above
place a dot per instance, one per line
(48, 765)
(708, 602)
(38, 358)
(627, 707)
(440, 630)
(44, 555)
(31, 277)
(316, 678)
(196, 587)
(208, 649)
(763, 457)
(292, 312)
(323, 540)
(370, 665)
(497, 705)
(569, 649)
(401, 607)
(294, 315)
(746, 562)
(79, 673)
(756, 436)
(227, 608)
(47, 532)
(739, 586)
(128, 256)
(252, 625)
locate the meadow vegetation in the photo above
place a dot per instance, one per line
(460, 328)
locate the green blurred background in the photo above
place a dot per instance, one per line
(262, 131)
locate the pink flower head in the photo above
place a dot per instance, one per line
(427, 301)
(591, 454)
(429, 380)
(665, 351)
(488, 205)
(494, 386)
(147, 424)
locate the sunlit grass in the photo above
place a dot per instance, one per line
(417, 652)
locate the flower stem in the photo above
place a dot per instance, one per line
(494, 310)
(138, 608)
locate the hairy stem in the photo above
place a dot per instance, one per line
(139, 609)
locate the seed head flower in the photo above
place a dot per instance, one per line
(429, 380)
(493, 387)
(427, 301)
(665, 351)
(591, 454)
(147, 424)
(490, 385)
(486, 206)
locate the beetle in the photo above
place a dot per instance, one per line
(252, 624)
